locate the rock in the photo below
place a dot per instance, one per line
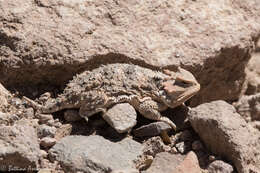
(220, 166)
(226, 134)
(45, 131)
(173, 163)
(47, 142)
(95, 154)
(44, 39)
(183, 147)
(253, 75)
(154, 146)
(132, 170)
(7, 118)
(29, 113)
(63, 131)
(152, 129)
(44, 118)
(19, 147)
(189, 164)
(249, 107)
(122, 117)
(71, 115)
(4, 93)
(165, 163)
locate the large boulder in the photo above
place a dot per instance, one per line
(227, 134)
(47, 42)
(19, 147)
(92, 154)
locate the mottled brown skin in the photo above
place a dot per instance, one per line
(148, 91)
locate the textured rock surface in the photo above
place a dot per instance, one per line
(249, 107)
(95, 154)
(19, 147)
(3, 96)
(42, 39)
(227, 134)
(253, 74)
(122, 117)
(220, 166)
(173, 163)
(165, 163)
(189, 164)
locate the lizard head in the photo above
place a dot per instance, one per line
(178, 88)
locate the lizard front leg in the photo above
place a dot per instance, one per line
(151, 109)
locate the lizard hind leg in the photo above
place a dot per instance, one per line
(85, 112)
(150, 109)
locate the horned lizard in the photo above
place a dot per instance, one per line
(148, 91)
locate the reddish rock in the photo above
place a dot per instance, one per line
(189, 164)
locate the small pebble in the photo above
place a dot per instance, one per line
(212, 158)
(44, 118)
(45, 131)
(181, 147)
(47, 142)
(44, 154)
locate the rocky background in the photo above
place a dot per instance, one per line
(44, 43)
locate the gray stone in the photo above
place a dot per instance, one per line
(72, 115)
(45, 130)
(94, 154)
(220, 166)
(122, 117)
(227, 134)
(19, 147)
(165, 163)
(151, 129)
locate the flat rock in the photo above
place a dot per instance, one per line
(189, 164)
(43, 39)
(227, 134)
(220, 166)
(94, 154)
(165, 163)
(19, 147)
(152, 129)
(249, 107)
(122, 117)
